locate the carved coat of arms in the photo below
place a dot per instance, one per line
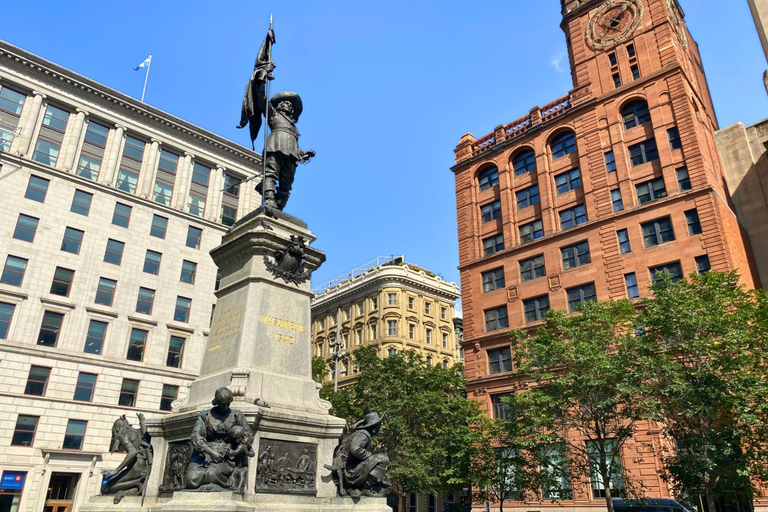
(289, 263)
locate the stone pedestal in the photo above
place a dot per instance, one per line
(259, 347)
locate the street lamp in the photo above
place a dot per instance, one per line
(336, 356)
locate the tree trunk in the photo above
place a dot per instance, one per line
(501, 504)
(709, 492)
(608, 495)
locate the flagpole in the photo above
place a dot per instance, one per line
(149, 65)
(266, 129)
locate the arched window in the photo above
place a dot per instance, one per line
(563, 144)
(524, 162)
(488, 177)
(635, 113)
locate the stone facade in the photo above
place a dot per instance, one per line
(394, 307)
(109, 169)
(627, 180)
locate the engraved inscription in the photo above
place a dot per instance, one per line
(279, 322)
(225, 328)
(284, 338)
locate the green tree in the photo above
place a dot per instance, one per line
(427, 432)
(580, 398)
(709, 379)
(319, 369)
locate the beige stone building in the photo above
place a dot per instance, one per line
(110, 207)
(391, 304)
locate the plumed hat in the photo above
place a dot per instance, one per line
(295, 100)
(371, 420)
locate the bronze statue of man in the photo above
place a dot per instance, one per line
(130, 477)
(282, 151)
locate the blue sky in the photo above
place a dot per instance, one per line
(388, 89)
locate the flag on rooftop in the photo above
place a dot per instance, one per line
(144, 64)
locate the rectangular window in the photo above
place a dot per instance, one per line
(576, 255)
(166, 174)
(144, 301)
(499, 360)
(181, 313)
(136, 344)
(573, 216)
(411, 303)
(673, 269)
(554, 468)
(159, 226)
(122, 215)
(490, 211)
(618, 204)
(37, 380)
(643, 152)
(13, 272)
(616, 80)
(360, 309)
(11, 101)
(624, 246)
(26, 227)
(683, 180)
(674, 138)
(194, 236)
(614, 461)
(81, 203)
(579, 294)
(536, 308)
(429, 336)
(46, 152)
(658, 231)
(527, 197)
(374, 303)
(152, 262)
(94, 341)
(201, 174)
(37, 188)
(24, 432)
(373, 332)
(635, 71)
(162, 192)
(74, 435)
(391, 327)
(651, 190)
(88, 166)
(444, 313)
(188, 271)
(630, 50)
(633, 291)
(50, 329)
(612, 59)
(702, 264)
(530, 231)
(610, 161)
(568, 181)
(6, 314)
(232, 185)
(127, 180)
(493, 244)
(56, 118)
(175, 352)
(411, 331)
(228, 215)
(496, 318)
(134, 148)
(105, 293)
(692, 220)
(96, 134)
(73, 239)
(428, 308)
(114, 252)
(493, 279)
(128, 391)
(196, 204)
(169, 395)
(11, 104)
(86, 385)
(532, 268)
(168, 162)
(445, 340)
(62, 281)
(392, 299)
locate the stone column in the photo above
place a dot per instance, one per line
(108, 168)
(149, 168)
(215, 186)
(27, 122)
(73, 140)
(182, 182)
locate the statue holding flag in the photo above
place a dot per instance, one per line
(281, 147)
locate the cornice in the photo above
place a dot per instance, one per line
(61, 78)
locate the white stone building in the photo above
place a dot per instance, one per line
(108, 212)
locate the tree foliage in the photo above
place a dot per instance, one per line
(427, 432)
(579, 382)
(319, 369)
(709, 335)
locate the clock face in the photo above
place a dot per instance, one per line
(614, 22)
(676, 18)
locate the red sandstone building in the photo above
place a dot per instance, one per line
(587, 197)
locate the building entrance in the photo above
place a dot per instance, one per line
(61, 492)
